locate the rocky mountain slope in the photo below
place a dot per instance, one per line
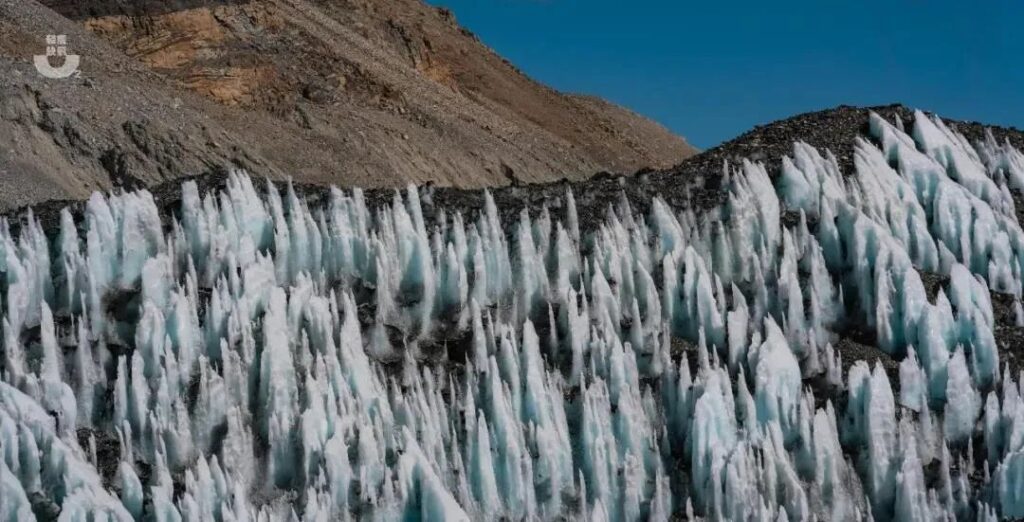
(370, 93)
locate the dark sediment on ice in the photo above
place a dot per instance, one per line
(695, 183)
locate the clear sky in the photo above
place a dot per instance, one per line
(710, 70)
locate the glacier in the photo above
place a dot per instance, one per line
(257, 354)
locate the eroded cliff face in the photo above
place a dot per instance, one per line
(369, 93)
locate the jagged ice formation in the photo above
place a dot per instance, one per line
(256, 356)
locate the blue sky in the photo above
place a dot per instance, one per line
(713, 69)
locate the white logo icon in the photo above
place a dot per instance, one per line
(57, 45)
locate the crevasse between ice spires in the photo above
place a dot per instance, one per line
(256, 355)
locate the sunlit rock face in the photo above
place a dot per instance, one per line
(257, 355)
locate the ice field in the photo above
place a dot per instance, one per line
(257, 356)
